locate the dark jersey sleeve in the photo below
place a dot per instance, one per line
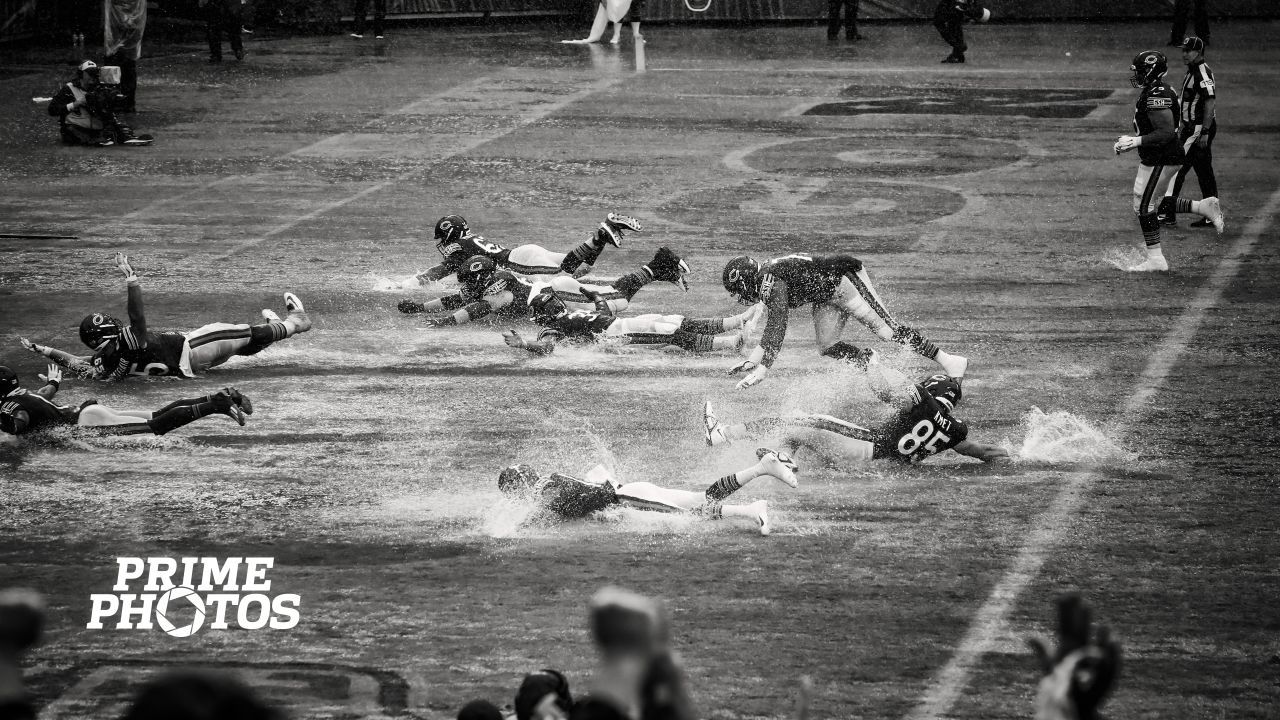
(773, 293)
(570, 497)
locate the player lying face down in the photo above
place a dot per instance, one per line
(457, 244)
(838, 287)
(23, 412)
(562, 325)
(486, 289)
(923, 425)
(121, 350)
(570, 497)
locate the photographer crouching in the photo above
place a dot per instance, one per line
(86, 109)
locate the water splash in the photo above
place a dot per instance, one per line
(1061, 437)
(1124, 258)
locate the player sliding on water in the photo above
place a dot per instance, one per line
(23, 412)
(122, 350)
(486, 290)
(922, 426)
(561, 325)
(570, 497)
(457, 244)
(838, 287)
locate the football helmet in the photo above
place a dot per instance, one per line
(449, 230)
(8, 381)
(742, 279)
(547, 305)
(98, 329)
(1147, 67)
(945, 389)
(517, 479)
(475, 273)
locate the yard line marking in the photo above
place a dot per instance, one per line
(989, 622)
(540, 112)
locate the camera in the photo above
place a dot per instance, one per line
(106, 94)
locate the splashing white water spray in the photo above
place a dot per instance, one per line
(1060, 437)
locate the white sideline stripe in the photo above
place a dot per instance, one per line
(541, 112)
(990, 620)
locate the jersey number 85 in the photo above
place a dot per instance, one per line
(925, 435)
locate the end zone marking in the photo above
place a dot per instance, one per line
(989, 622)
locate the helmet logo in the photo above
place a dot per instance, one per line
(477, 266)
(97, 318)
(734, 275)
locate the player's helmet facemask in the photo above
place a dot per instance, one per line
(547, 305)
(517, 479)
(8, 381)
(742, 279)
(1147, 67)
(945, 389)
(449, 230)
(97, 330)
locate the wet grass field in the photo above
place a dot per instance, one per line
(984, 198)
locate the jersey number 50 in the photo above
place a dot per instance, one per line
(923, 434)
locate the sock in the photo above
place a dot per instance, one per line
(694, 342)
(585, 254)
(726, 342)
(723, 488)
(1195, 206)
(1154, 251)
(1150, 223)
(709, 326)
(912, 337)
(631, 283)
(180, 403)
(175, 417)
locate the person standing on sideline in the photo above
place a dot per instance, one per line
(1199, 127)
(223, 16)
(126, 21)
(1183, 8)
(850, 20)
(379, 15)
(949, 18)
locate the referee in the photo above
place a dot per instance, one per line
(1199, 126)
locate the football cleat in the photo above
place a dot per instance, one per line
(1214, 213)
(609, 235)
(297, 313)
(1151, 264)
(629, 223)
(1202, 223)
(269, 314)
(714, 434)
(239, 399)
(226, 405)
(953, 365)
(779, 465)
(761, 510)
(1168, 220)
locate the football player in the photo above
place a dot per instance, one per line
(693, 334)
(457, 244)
(121, 350)
(23, 412)
(1155, 119)
(486, 290)
(838, 287)
(570, 497)
(922, 426)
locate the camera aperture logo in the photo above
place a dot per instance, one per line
(181, 595)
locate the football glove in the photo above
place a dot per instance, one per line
(1077, 675)
(754, 378)
(122, 264)
(513, 339)
(1125, 143)
(33, 347)
(53, 375)
(753, 360)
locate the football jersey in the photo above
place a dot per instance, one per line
(148, 353)
(1197, 87)
(916, 433)
(570, 497)
(457, 253)
(576, 325)
(1152, 100)
(41, 412)
(809, 279)
(521, 289)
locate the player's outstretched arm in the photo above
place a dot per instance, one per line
(435, 273)
(134, 336)
(982, 451)
(52, 381)
(78, 364)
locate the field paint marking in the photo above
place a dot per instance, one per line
(988, 623)
(539, 113)
(1110, 105)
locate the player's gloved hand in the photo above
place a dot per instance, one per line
(410, 307)
(1202, 142)
(122, 264)
(513, 339)
(1125, 143)
(755, 378)
(33, 347)
(1081, 671)
(53, 375)
(744, 366)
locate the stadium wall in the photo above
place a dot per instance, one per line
(766, 10)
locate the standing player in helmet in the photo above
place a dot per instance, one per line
(922, 426)
(457, 244)
(486, 290)
(121, 350)
(571, 498)
(693, 334)
(838, 287)
(23, 412)
(1155, 119)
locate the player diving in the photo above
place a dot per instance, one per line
(570, 497)
(457, 244)
(121, 350)
(486, 290)
(838, 287)
(922, 425)
(23, 411)
(699, 335)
